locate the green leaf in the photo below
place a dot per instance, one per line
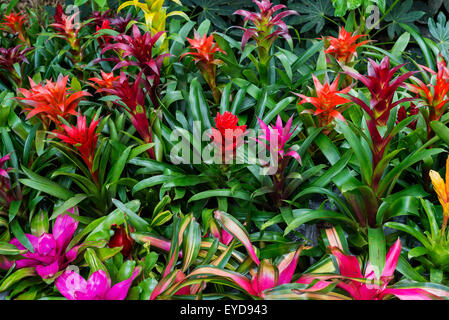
(45, 185)
(221, 193)
(377, 250)
(308, 215)
(17, 231)
(16, 277)
(8, 249)
(70, 203)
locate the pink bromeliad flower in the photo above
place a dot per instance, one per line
(50, 253)
(277, 137)
(98, 287)
(365, 287)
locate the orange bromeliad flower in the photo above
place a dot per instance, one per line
(82, 137)
(442, 190)
(51, 101)
(203, 52)
(105, 82)
(344, 47)
(326, 101)
(433, 95)
(14, 23)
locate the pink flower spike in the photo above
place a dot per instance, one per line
(98, 287)
(51, 253)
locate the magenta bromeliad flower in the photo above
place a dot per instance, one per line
(51, 253)
(133, 98)
(98, 287)
(264, 22)
(277, 137)
(365, 287)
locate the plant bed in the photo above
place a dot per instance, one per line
(214, 150)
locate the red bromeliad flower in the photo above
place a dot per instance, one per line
(121, 238)
(82, 137)
(433, 96)
(344, 47)
(382, 87)
(203, 53)
(133, 98)
(404, 114)
(264, 22)
(105, 82)
(104, 40)
(326, 101)
(227, 135)
(14, 24)
(140, 47)
(51, 101)
(59, 14)
(100, 17)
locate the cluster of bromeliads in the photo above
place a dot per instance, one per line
(72, 156)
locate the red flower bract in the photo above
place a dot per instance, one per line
(382, 87)
(327, 100)
(105, 82)
(227, 135)
(51, 100)
(140, 47)
(434, 94)
(344, 47)
(264, 22)
(104, 40)
(204, 49)
(121, 239)
(14, 23)
(82, 137)
(133, 98)
(203, 52)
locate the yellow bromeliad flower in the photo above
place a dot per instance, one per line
(442, 190)
(155, 16)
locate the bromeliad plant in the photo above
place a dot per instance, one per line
(267, 27)
(155, 16)
(432, 254)
(381, 128)
(344, 48)
(432, 98)
(326, 102)
(366, 287)
(203, 52)
(140, 47)
(51, 101)
(168, 160)
(14, 23)
(132, 97)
